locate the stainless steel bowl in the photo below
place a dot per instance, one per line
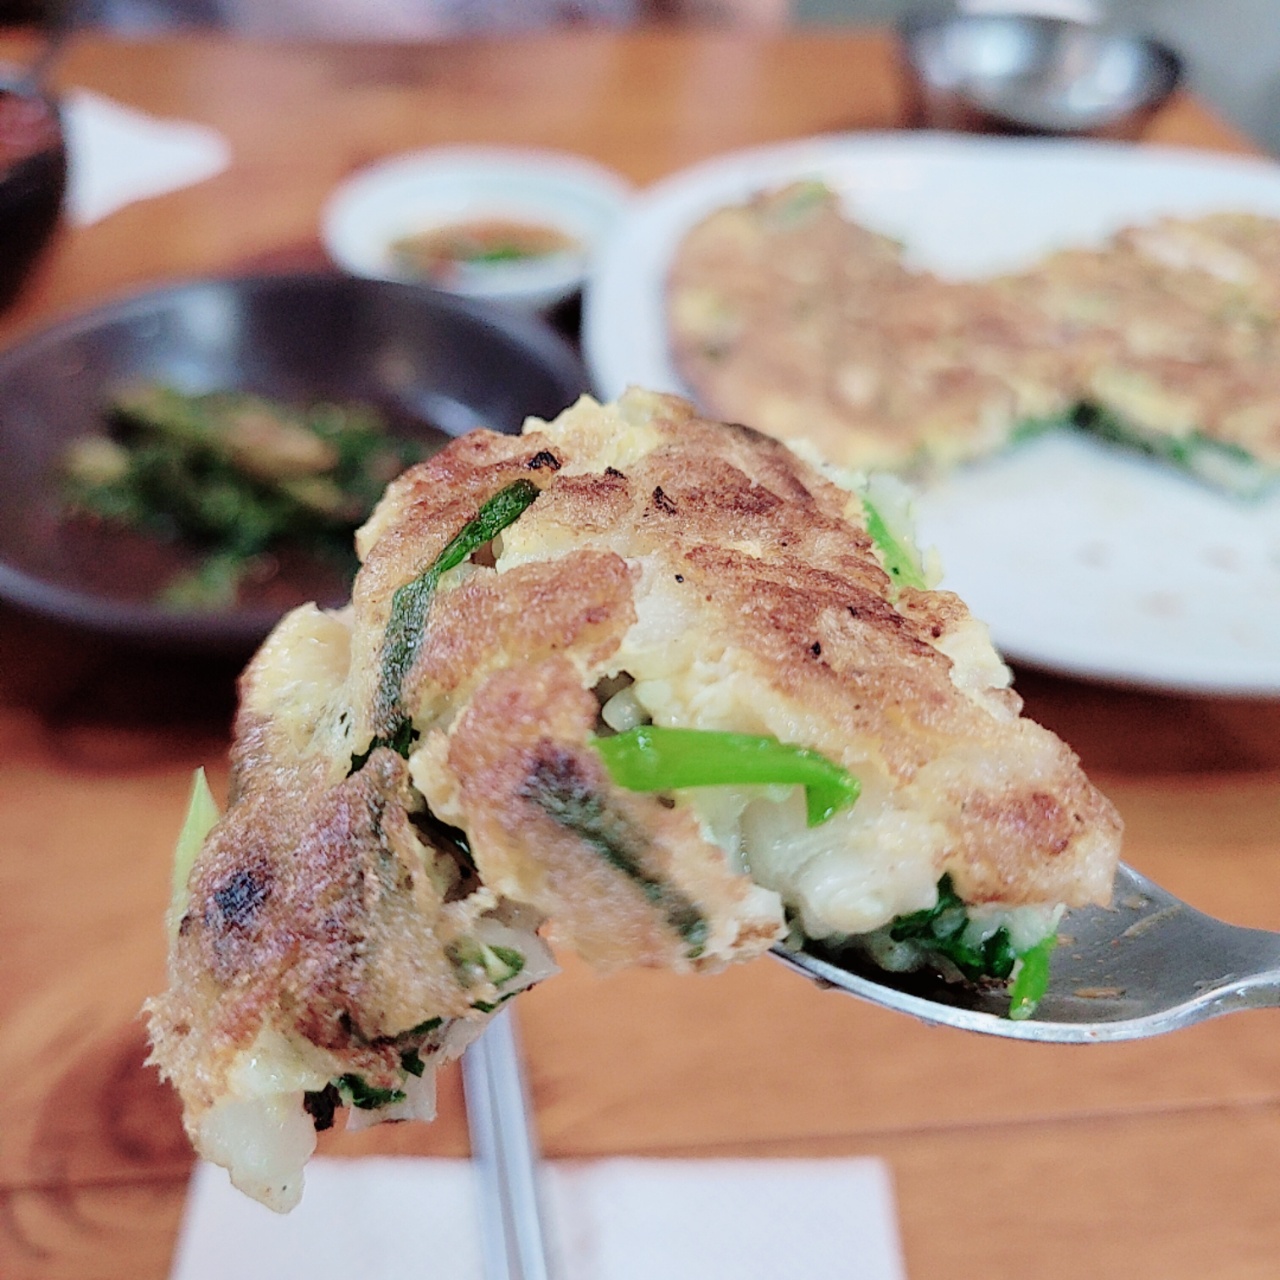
(1023, 73)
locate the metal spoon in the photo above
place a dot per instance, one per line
(1143, 966)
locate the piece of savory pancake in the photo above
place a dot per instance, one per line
(756, 307)
(1173, 332)
(618, 681)
(785, 314)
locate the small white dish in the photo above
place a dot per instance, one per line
(447, 186)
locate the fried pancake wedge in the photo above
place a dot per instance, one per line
(423, 796)
(786, 314)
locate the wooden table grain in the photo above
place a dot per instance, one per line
(1009, 1160)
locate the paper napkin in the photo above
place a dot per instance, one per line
(622, 1219)
(117, 155)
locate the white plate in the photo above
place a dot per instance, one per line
(411, 193)
(1080, 558)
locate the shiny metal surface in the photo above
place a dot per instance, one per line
(1143, 966)
(1022, 73)
(504, 1151)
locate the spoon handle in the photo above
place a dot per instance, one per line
(505, 1153)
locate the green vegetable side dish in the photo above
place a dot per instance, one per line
(652, 758)
(235, 477)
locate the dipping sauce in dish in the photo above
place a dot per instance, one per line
(440, 253)
(504, 224)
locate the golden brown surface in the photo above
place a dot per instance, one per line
(729, 586)
(1174, 326)
(749, 581)
(1164, 1152)
(786, 314)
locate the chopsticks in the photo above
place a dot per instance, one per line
(504, 1152)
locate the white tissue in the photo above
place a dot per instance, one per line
(117, 155)
(382, 1218)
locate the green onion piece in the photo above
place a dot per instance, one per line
(501, 963)
(422, 1029)
(498, 964)
(504, 253)
(799, 202)
(940, 929)
(412, 602)
(357, 1092)
(652, 758)
(485, 1006)
(1219, 463)
(202, 813)
(899, 560)
(1031, 980)
(570, 800)
(1034, 428)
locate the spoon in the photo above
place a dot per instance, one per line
(504, 1150)
(1146, 965)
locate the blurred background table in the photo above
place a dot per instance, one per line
(1155, 1159)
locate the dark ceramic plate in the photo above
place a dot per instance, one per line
(435, 365)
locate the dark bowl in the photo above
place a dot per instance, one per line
(1025, 73)
(33, 178)
(434, 364)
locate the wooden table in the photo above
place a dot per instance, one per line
(1009, 1160)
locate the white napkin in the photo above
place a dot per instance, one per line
(117, 155)
(383, 1218)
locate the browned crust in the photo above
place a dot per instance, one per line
(808, 330)
(580, 603)
(425, 508)
(324, 907)
(525, 737)
(310, 911)
(813, 328)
